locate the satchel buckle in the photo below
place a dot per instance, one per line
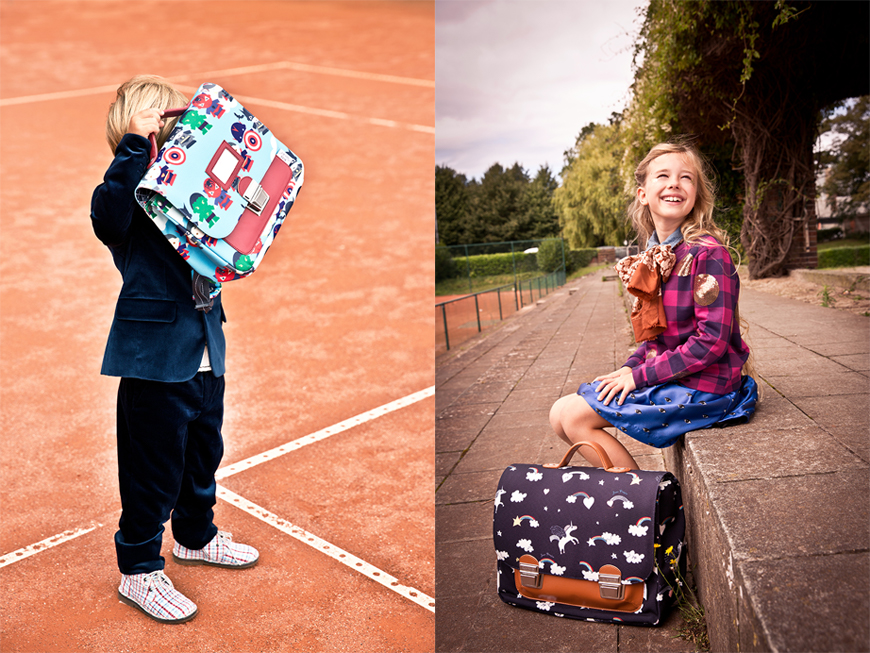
(530, 574)
(610, 586)
(256, 197)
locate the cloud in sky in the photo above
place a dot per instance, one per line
(516, 80)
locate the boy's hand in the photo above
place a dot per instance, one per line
(147, 121)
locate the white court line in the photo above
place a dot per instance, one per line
(322, 434)
(63, 95)
(312, 540)
(326, 113)
(308, 68)
(334, 552)
(44, 545)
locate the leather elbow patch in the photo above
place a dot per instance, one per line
(706, 289)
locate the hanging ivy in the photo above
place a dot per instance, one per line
(752, 76)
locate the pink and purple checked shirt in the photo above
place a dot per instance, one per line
(701, 347)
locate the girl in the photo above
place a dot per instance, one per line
(686, 373)
(170, 357)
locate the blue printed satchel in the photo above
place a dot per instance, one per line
(585, 543)
(220, 187)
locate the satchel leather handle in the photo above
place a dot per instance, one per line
(167, 113)
(599, 450)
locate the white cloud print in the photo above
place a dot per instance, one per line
(556, 570)
(632, 556)
(534, 475)
(517, 496)
(501, 555)
(638, 531)
(525, 545)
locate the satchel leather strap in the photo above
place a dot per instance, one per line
(167, 113)
(599, 450)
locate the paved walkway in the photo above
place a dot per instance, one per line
(782, 531)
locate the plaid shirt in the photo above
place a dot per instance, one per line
(702, 347)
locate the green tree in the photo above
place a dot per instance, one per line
(497, 210)
(451, 206)
(847, 182)
(542, 219)
(751, 76)
(591, 201)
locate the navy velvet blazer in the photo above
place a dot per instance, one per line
(157, 333)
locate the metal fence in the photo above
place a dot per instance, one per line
(457, 320)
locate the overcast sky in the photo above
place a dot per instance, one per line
(516, 80)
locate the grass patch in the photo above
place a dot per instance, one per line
(589, 269)
(843, 242)
(462, 286)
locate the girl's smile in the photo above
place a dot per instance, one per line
(669, 191)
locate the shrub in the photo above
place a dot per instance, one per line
(844, 257)
(834, 233)
(550, 255)
(490, 265)
(444, 268)
(580, 258)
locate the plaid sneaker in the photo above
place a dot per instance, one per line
(155, 595)
(220, 552)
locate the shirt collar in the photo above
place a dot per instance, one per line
(673, 240)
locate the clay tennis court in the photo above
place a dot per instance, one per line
(329, 421)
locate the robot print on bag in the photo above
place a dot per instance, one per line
(219, 195)
(195, 120)
(202, 208)
(212, 107)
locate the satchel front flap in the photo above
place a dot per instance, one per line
(212, 164)
(576, 520)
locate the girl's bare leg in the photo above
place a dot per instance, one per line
(574, 420)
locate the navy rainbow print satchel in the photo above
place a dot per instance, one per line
(593, 544)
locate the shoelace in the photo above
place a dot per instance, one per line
(156, 578)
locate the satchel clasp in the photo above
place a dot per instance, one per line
(530, 573)
(610, 583)
(256, 197)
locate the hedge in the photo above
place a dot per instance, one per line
(580, 258)
(550, 255)
(844, 257)
(490, 265)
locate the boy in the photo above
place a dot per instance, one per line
(170, 357)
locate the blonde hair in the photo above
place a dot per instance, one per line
(142, 92)
(698, 223)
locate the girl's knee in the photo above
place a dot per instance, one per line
(557, 410)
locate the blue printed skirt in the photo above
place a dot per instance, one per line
(658, 415)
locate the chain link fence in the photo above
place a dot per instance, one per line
(495, 280)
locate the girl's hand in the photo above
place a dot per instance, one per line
(619, 382)
(613, 375)
(147, 121)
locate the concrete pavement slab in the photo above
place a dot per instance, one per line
(764, 500)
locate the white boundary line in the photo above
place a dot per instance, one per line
(322, 434)
(62, 95)
(324, 113)
(45, 544)
(334, 552)
(357, 564)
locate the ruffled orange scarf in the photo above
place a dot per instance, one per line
(643, 276)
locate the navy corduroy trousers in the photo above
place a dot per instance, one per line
(169, 447)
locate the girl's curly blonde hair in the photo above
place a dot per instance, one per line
(699, 222)
(142, 92)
